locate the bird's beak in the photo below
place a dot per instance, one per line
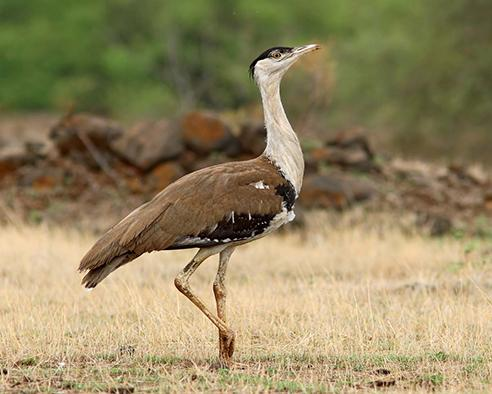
(305, 49)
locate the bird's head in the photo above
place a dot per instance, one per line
(274, 62)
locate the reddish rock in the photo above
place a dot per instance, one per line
(324, 193)
(16, 153)
(187, 160)
(11, 158)
(320, 154)
(488, 201)
(347, 157)
(205, 132)
(135, 185)
(23, 139)
(164, 174)
(348, 150)
(315, 158)
(334, 191)
(149, 143)
(252, 138)
(73, 132)
(352, 139)
(43, 183)
(350, 158)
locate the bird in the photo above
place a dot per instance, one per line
(218, 208)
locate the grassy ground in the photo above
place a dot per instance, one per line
(338, 309)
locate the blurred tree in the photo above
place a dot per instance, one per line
(412, 66)
(49, 54)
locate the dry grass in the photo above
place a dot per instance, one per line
(345, 308)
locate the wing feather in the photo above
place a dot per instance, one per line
(192, 204)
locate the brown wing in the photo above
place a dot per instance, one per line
(194, 205)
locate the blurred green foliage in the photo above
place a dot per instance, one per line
(415, 65)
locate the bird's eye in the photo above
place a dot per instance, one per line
(276, 55)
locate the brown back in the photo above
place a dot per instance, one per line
(187, 207)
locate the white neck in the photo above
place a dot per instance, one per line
(283, 147)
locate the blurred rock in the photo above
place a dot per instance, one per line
(12, 156)
(474, 175)
(437, 225)
(187, 159)
(148, 143)
(40, 178)
(440, 226)
(488, 200)
(252, 138)
(352, 138)
(69, 133)
(205, 132)
(89, 158)
(349, 149)
(346, 158)
(20, 148)
(318, 154)
(164, 174)
(335, 191)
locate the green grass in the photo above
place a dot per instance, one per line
(276, 373)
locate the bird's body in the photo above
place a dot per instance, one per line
(216, 208)
(225, 204)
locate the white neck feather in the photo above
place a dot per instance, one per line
(283, 147)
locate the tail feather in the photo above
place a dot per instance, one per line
(106, 255)
(96, 275)
(102, 252)
(131, 237)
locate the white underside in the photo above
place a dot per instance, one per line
(280, 219)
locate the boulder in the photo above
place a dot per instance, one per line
(23, 141)
(467, 175)
(164, 174)
(352, 138)
(149, 143)
(135, 185)
(187, 160)
(74, 131)
(436, 225)
(487, 198)
(350, 158)
(335, 191)
(252, 138)
(205, 132)
(16, 153)
(40, 177)
(12, 156)
(348, 150)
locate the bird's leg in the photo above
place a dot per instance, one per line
(226, 342)
(183, 286)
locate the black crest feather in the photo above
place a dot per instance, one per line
(264, 55)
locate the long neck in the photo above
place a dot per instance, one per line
(283, 147)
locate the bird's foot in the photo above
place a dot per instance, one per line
(229, 364)
(229, 342)
(226, 349)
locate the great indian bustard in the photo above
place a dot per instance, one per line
(217, 208)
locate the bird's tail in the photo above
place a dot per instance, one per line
(121, 244)
(104, 257)
(96, 275)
